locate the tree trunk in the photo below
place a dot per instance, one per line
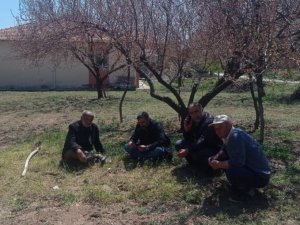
(254, 98)
(100, 92)
(121, 105)
(260, 95)
(124, 94)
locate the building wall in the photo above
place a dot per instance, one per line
(16, 74)
(119, 78)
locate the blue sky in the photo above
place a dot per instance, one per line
(7, 7)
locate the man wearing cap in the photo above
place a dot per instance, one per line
(200, 141)
(82, 136)
(246, 165)
(148, 140)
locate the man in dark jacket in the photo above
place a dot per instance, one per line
(200, 141)
(82, 136)
(148, 140)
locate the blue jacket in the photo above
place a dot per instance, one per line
(244, 151)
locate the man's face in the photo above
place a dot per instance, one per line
(143, 122)
(87, 120)
(222, 129)
(195, 113)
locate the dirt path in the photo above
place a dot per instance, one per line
(88, 214)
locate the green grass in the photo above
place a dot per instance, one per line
(154, 188)
(288, 74)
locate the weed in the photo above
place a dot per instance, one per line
(69, 198)
(96, 194)
(278, 150)
(20, 204)
(142, 211)
(194, 196)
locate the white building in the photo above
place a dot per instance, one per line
(16, 74)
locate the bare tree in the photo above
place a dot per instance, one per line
(50, 32)
(156, 37)
(258, 33)
(161, 39)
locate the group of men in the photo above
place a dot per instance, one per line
(209, 143)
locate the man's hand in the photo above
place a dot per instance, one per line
(214, 157)
(81, 156)
(142, 148)
(131, 144)
(187, 125)
(183, 152)
(215, 164)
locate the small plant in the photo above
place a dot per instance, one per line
(112, 127)
(20, 204)
(278, 150)
(142, 211)
(69, 198)
(97, 194)
(194, 196)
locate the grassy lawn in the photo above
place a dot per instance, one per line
(153, 193)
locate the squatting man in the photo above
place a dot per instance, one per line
(82, 136)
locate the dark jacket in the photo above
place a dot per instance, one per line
(81, 137)
(153, 135)
(203, 136)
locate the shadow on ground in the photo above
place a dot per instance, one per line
(216, 196)
(131, 164)
(76, 166)
(197, 175)
(219, 201)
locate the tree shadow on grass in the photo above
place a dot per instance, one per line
(219, 201)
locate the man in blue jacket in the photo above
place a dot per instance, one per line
(148, 140)
(245, 164)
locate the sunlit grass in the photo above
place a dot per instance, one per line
(121, 180)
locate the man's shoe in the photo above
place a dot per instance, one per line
(237, 198)
(168, 156)
(243, 196)
(100, 158)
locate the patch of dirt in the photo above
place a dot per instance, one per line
(18, 127)
(88, 214)
(296, 148)
(133, 213)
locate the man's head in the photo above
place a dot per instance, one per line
(143, 119)
(87, 118)
(195, 111)
(222, 125)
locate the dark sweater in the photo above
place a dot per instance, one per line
(84, 138)
(203, 136)
(153, 135)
